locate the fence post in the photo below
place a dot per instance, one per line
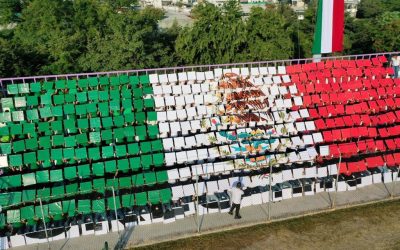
(44, 222)
(270, 192)
(337, 180)
(197, 202)
(115, 206)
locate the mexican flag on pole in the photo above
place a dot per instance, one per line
(329, 30)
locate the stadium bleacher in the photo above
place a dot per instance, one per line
(156, 141)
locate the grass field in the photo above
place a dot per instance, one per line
(375, 226)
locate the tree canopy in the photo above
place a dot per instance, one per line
(65, 36)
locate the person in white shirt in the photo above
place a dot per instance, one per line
(395, 64)
(236, 199)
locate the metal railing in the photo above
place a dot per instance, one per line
(28, 79)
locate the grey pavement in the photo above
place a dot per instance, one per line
(153, 233)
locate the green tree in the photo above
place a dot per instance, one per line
(268, 35)
(386, 37)
(217, 35)
(370, 8)
(10, 10)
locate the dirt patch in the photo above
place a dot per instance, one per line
(374, 226)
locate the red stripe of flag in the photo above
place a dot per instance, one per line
(338, 25)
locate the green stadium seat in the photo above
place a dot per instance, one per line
(70, 173)
(125, 182)
(68, 207)
(104, 80)
(166, 195)
(145, 147)
(82, 139)
(157, 146)
(70, 141)
(5, 148)
(107, 152)
(158, 159)
(35, 87)
(162, 176)
(5, 117)
(56, 210)
(58, 140)
(83, 83)
(28, 195)
(15, 160)
(98, 206)
(32, 101)
(119, 121)
(56, 175)
(14, 181)
(99, 185)
(29, 128)
(112, 183)
(98, 169)
(59, 99)
(12, 89)
(18, 146)
(57, 192)
(44, 127)
(18, 116)
(110, 166)
(85, 187)
(154, 197)
(28, 214)
(20, 102)
(69, 109)
(128, 200)
(133, 148)
(13, 216)
(134, 80)
(44, 194)
(61, 84)
(123, 165)
(43, 155)
(113, 206)
(84, 207)
(146, 161)
(120, 150)
(57, 154)
(150, 178)
(23, 88)
(68, 153)
(93, 81)
(95, 123)
(84, 171)
(71, 189)
(46, 99)
(138, 180)
(126, 94)
(69, 99)
(57, 127)
(135, 163)
(71, 85)
(48, 87)
(30, 158)
(94, 154)
(42, 176)
(141, 199)
(144, 79)
(7, 103)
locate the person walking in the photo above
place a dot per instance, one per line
(395, 64)
(237, 193)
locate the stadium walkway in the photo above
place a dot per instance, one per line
(149, 234)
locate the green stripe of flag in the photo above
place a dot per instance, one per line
(318, 31)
